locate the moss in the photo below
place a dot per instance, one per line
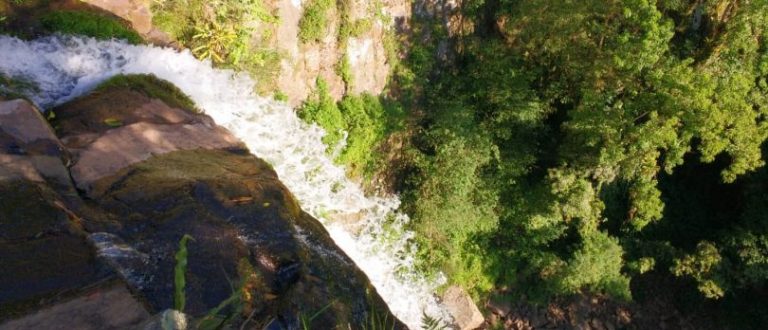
(153, 87)
(88, 24)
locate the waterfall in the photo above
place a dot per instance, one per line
(64, 68)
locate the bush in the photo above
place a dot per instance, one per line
(88, 24)
(322, 110)
(365, 118)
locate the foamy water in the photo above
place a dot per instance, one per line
(65, 68)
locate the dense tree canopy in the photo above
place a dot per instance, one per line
(549, 145)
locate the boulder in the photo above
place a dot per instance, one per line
(161, 172)
(43, 250)
(465, 313)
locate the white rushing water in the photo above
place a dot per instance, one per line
(67, 67)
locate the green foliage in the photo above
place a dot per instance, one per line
(701, 266)
(431, 323)
(344, 71)
(321, 109)
(179, 274)
(378, 321)
(280, 96)
(214, 318)
(365, 119)
(153, 87)
(313, 25)
(223, 32)
(548, 145)
(596, 265)
(88, 24)
(354, 126)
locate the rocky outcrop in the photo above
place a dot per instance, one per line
(42, 245)
(145, 174)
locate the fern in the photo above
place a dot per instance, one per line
(431, 323)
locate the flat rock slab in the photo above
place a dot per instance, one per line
(112, 307)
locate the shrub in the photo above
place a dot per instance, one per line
(322, 110)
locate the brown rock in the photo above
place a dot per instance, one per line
(108, 308)
(22, 121)
(499, 306)
(465, 313)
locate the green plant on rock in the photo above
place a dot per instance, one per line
(313, 25)
(222, 31)
(179, 274)
(153, 87)
(321, 109)
(344, 71)
(88, 24)
(306, 321)
(221, 42)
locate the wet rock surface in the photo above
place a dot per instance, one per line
(147, 174)
(42, 249)
(104, 308)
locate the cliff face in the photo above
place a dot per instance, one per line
(124, 178)
(362, 44)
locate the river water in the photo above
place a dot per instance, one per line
(64, 68)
